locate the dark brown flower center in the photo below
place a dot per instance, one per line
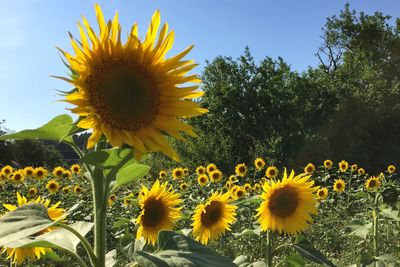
(284, 201)
(372, 183)
(154, 212)
(339, 185)
(212, 214)
(242, 169)
(59, 172)
(52, 186)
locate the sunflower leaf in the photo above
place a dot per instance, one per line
(307, 250)
(294, 260)
(243, 261)
(129, 173)
(107, 158)
(55, 130)
(358, 228)
(178, 250)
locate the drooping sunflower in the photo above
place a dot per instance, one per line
(202, 180)
(200, 170)
(78, 189)
(67, 174)
(241, 169)
(228, 185)
(343, 166)
(185, 171)
(271, 172)
(354, 167)
(18, 255)
(322, 193)
(32, 192)
(361, 171)
(58, 172)
(391, 169)
(159, 211)
(211, 167)
(129, 91)
(328, 164)
(29, 171)
(53, 186)
(259, 163)
(309, 169)
(287, 204)
(339, 185)
(18, 177)
(212, 219)
(162, 174)
(216, 176)
(40, 173)
(7, 170)
(372, 183)
(76, 169)
(178, 173)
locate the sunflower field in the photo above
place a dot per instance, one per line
(118, 206)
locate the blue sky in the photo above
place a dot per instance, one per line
(31, 29)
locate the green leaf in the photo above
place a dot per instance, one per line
(307, 250)
(246, 231)
(390, 213)
(129, 173)
(294, 260)
(178, 250)
(56, 130)
(121, 222)
(358, 228)
(366, 258)
(243, 261)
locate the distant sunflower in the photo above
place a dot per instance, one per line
(343, 166)
(339, 185)
(232, 178)
(29, 171)
(211, 167)
(178, 173)
(18, 177)
(159, 211)
(287, 204)
(328, 164)
(309, 169)
(271, 172)
(256, 187)
(58, 172)
(354, 167)
(66, 189)
(76, 169)
(322, 193)
(202, 180)
(391, 169)
(216, 176)
(7, 170)
(78, 189)
(185, 171)
(67, 174)
(128, 200)
(53, 186)
(247, 187)
(372, 183)
(162, 174)
(239, 192)
(32, 192)
(259, 163)
(111, 199)
(212, 219)
(129, 91)
(361, 171)
(40, 173)
(200, 170)
(228, 185)
(183, 186)
(241, 169)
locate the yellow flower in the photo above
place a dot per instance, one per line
(339, 185)
(211, 167)
(66, 189)
(354, 167)
(212, 219)
(40, 173)
(361, 171)
(232, 178)
(241, 169)
(17, 177)
(162, 174)
(7, 170)
(67, 174)
(259, 163)
(32, 192)
(322, 193)
(76, 169)
(328, 164)
(256, 187)
(129, 91)
(216, 176)
(53, 186)
(78, 189)
(391, 169)
(343, 166)
(159, 211)
(183, 186)
(372, 183)
(185, 171)
(58, 172)
(178, 173)
(228, 185)
(287, 204)
(29, 171)
(247, 187)
(271, 172)
(309, 169)
(200, 170)
(202, 180)
(111, 199)
(239, 192)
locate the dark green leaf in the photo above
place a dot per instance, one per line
(294, 260)
(307, 250)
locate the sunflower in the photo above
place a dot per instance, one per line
(322, 193)
(111, 199)
(76, 169)
(162, 174)
(53, 186)
(328, 164)
(18, 177)
(287, 204)
(239, 192)
(212, 219)
(343, 166)
(178, 173)
(361, 171)
(66, 189)
(247, 187)
(354, 167)
(18, 255)
(391, 169)
(216, 176)
(78, 189)
(256, 187)
(29, 171)
(58, 172)
(309, 169)
(183, 186)
(185, 171)
(241, 169)
(339, 185)
(228, 185)
(259, 163)
(7, 170)
(232, 178)
(127, 201)
(40, 173)
(202, 180)
(271, 172)
(67, 174)
(211, 167)
(32, 192)
(129, 91)
(372, 183)
(159, 211)
(200, 170)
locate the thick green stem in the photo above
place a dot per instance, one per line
(375, 226)
(269, 248)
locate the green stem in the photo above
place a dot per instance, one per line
(85, 243)
(375, 226)
(269, 249)
(81, 261)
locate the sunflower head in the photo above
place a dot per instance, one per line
(343, 166)
(241, 170)
(328, 164)
(111, 199)
(271, 172)
(212, 219)
(67, 174)
(216, 176)
(211, 167)
(58, 172)
(202, 179)
(361, 171)
(78, 189)
(372, 183)
(232, 178)
(32, 192)
(183, 186)
(239, 193)
(76, 169)
(66, 189)
(178, 173)
(200, 170)
(287, 204)
(18, 177)
(309, 169)
(322, 193)
(257, 187)
(29, 171)
(159, 211)
(247, 187)
(130, 92)
(339, 185)
(7, 170)
(40, 173)
(53, 186)
(391, 169)
(259, 163)
(354, 167)
(185, 171)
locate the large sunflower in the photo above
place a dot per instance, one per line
(129, 91)
(212, 219)
(158, 211)
(288, 204)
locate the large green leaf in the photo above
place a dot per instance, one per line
(358, 228)
(178, 250)
(57, 130)
(307, 250)
(294, 260)
(107, 158)
(130, 172)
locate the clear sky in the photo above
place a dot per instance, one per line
(31, 29)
